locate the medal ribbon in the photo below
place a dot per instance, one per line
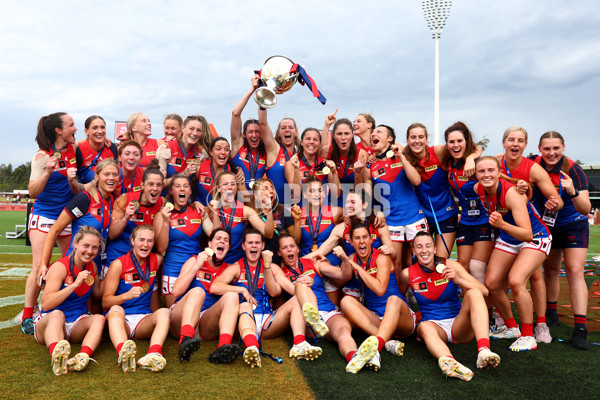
(253, 164)
(314, 230)
(313, 169)
(93, 163)
(123, 189)
(300, 267)
(185, 152)
(252, 283)
(227, 224)
(286, 154)
(145, 275)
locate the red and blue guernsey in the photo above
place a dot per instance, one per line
(252, 278)
(204, 279)
(180, 157)
(374, 302)
(206, 181)
(276, 173)
(88, 158)
(360, 146)
(316, 169)
(149, 152)
(394, 193)
(307, 268)
(316, 229)
(130, 185)
(134, 274)
(185, 229)
(521, 172)
(76, 304)
(497, 202)
(375, 239)
(568, 213)
(57, 192)
(436, 296)
(86, 211)
(434, 190)
(144, 215)
(472, 212)
(253, 163)
(232, 220)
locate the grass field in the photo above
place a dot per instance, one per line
(553, 371)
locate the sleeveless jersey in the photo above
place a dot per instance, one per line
(390, 183)
(130, 185)
(360, 146)
(180, 157)
(323, 231)
(57, 192)
(206, 181)
(276, 174)
(185, 229)
(435, 187)
(76, 304)
(204, 279)
(256, 286)
(236, 225)
(521, 172)
(472, 212)
(307, 170)
(498, 203)
(306, 267)
(149, 152)
(87, 159)
(143, 216)
(130, 277)
(436, 296)
(251, 162)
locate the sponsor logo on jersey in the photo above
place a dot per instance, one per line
(440, 282)
(396, 165)
(431, 168)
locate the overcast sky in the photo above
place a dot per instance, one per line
(503, 63)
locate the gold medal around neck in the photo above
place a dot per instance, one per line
(89, 280)
(440, 268)
(314, 247)
(209, 251)
(389, 154)
(326, 170)
(169, 206)
(145, 287)
(57, 155)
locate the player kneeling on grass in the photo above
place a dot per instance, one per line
(128, 288)
(197, 308)
(304, 278)
(69, 283)
(385, 311)
(257, 319)
(435, 282)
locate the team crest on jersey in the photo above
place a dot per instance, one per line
(420, 287)
(176, 161)
(178, 223)
(379, 172)
(139, 217)
(204, 180)
(133, 277)
(204, 276)
(440, 282)
(61, 165)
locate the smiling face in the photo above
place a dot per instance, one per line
(456, 144)
(67, 132)
(361, 125)
(380, 139)
(86, 249)
(343, 137)
(96, 132)
(220, 153)
(253, 246)
(142, 125)
(424, 250)
(354, 205)
(227, 189)
(172, 128)
(253, 136)
(488, 173)
(130, 158)
(265, 193)
(151, 188)
(108, 179)
(142, 243)
(180, 192)
(192, 132)
(220, 244)
(361, 241)
(289, 251)
(314, 193)
(551, 150)
(417, 141)
(287, 132)
(514, 145)
(311, 141)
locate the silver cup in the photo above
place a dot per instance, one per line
(276, 77)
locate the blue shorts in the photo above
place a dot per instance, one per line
(575, 235)
(449, 225)
(469, 234)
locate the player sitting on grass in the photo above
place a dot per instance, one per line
(435, 282)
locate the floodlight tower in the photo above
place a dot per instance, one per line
(436, 14)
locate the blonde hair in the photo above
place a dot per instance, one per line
(514, 129)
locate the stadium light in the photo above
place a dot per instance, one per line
(436, 14)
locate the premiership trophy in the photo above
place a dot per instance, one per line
(276, 78)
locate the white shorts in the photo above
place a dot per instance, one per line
(446, 325)
(43, 224)
(264, 321)
(329, 286)
(68, 325)
(406, 233)
(197, 334)
(327, 315)
(542, 244)
(167, 284)
(352, 292)
(133, 320)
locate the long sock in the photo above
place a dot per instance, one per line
(483, 343)
(87, 350)
(51, 347)
(155, 348)
(540, 319)
(250, 340)
(349, 355)
(186, 331)
(380, 344)
(511, 323)
(299, 339)
(27, 313)
(552, 308)
(224, 338)
(580, 320)
(526, 329)
(119, 347)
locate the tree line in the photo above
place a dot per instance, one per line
(14, 178)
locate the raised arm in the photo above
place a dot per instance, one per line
(237, 140)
